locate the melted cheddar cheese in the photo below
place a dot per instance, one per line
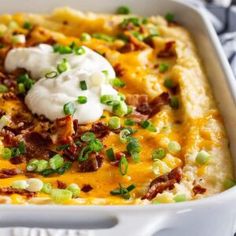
(195, 125)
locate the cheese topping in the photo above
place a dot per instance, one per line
(48, 95)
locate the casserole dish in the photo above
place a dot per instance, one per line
(161, 218)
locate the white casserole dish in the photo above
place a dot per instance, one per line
(207, 217)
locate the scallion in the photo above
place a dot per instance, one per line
(158, 153)
(69, 108)
(110, 154)
(163, 67)
(63, 66)
(85, 37)
(123, 10)
(114, 122)
(83, 85)
(203, 157)
(88, 136)
(123, 165)
(56, 162)
(51, 75)
(61, 196)
(82, 99)
(3, 88)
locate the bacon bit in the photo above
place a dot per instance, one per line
(198, 189)
(138, 117)
(71, 152)
(9, 138)
(93, 163)
(10, 191)
(143, 107)
(61, 184)
(18, 160)
(101, 130)
(64, 130)
(119, 70)
(118, 156)
(86, 188)
(133, 45)
(168, 51)
(136, 99)
(8, 173)
(37, 145)
(158, 102)
(9, 96)
(163, 182)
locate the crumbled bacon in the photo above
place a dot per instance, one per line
(37, 145)
(168, 51)
(198, 189)
(18, 160)
(10, 190)
(63, 130)
(7, 173)
(61, 184)
(119, 70)
(101, 130)
(86, 188)
(163, 182)
(9, 138)
(71, 152)
(9, 96)
(144, 107)
(93, 163)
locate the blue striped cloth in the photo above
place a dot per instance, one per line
(224, 22)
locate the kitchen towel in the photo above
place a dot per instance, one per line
(223, 19)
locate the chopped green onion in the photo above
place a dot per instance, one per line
(82, 99)
(173, 147)
(148, 125)
(64, 168)
(133, 147)
(61, 49)
(130, 110)
(132, 21)
(21, 88)
(95, 145)
(19, 184)
(62, 147)
(61, 196)
(4, 120)
(6, 153)
(104, 37)
(69, 108)
(85, 37)
(83, 155)
(123, 10)
(110, 154)
(123, 165)
(51, 75)
(13, 25)
(169, 83)
(129, 122)
(17, 151)
(83, 85)
(25, 79)
(88, 136)
(47, 188)
(158, 153)
(34, 185)
(63, 66)
(203, 157)
(27, 25)
(122, 191)
(114, 122)
(170, 17)
(19, 38)
(174, 102)
(32, 165)
(117, 82)
(120, 109)
(75, 189)
(163, 67)
(56, 162)
(124, 135)
(47, 172)
(109, 100)
(79, 51)
(42, 165)
(138, 35)
(3, 88)
(180, 198)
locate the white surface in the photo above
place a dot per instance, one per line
(49, 95)
(212, 216)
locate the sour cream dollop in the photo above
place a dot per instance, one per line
(49, 95)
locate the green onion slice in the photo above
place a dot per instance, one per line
(69, 108)
(123, 165)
